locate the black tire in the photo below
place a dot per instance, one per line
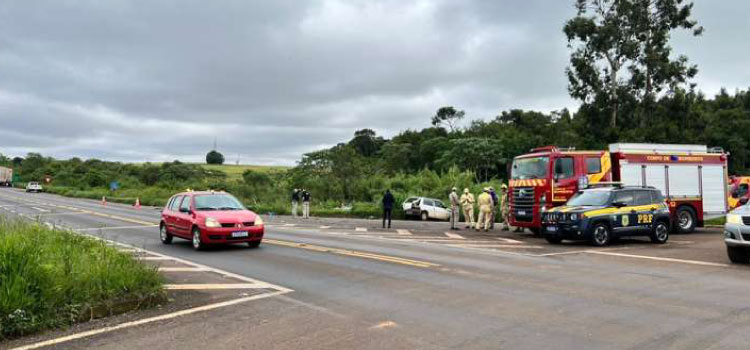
(535, 230)
(660, 233)
(196, 239)
(164, 234)
(601, 235)
(253, 244)
(425, 216)
(738, 255)
(686, 220)
(553, 239)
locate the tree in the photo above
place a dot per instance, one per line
(614, 37)
(214, 157)
(448, 116)
(483, 156)
(366, 142)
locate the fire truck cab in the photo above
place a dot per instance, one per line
(692, 178)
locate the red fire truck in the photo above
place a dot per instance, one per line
(692, 177)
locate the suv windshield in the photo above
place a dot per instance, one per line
(217, 202)
(590, 198)
(530, 168)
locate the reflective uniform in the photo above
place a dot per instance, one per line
(485, 211)
(467, 203)
(454, 208)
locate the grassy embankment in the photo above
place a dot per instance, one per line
(52, 278)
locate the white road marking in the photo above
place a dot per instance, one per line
(360, 229)
(181, 269)
(147, 320)
(508, 240)
(403, 232)
(454, 235)
(681, 261)
(113, 227)
(290, 225)
(384, 324)
(325, 227)
(214, 286)
(509, 246)
(153, 258)
(41, 209)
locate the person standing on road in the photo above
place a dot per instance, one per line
(305, 204)
(505, 207)
(388, 201)
(495, 203)
(467, 204)
(295, 202)
(454, 208)
(485, 210)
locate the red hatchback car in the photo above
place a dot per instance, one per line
(209, 218)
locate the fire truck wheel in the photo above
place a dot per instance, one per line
(685, 219)
(600, 235)
(660, 234)
(738, 255)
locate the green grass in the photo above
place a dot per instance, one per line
(235, 171)
(716, 221)
(52, 278)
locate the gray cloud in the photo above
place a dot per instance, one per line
(158, 80)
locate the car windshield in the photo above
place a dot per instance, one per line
(590, 198)
(217, 202)
(530, 168)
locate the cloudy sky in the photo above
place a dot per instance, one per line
(158, 80)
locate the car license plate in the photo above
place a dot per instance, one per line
(551, 228)
(521, 212)
(238, 234)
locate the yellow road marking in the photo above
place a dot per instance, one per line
(386, 258)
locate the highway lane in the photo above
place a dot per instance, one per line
(464, 299)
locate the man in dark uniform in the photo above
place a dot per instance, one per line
(388, 201)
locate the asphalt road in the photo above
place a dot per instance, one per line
(355, 286)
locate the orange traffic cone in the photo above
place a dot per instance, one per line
(137, 204)
(104, 200)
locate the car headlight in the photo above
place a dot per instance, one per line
(258, 220)
(211, 222)
(734, 219)
(573, 217)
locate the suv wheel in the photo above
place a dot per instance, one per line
(553, 239)
(660, 234)
(197, 241)
(166, 238)
(685, 219)
(425, 216)
(738, 255)
(600, 235)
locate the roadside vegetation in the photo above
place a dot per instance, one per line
(51, 278)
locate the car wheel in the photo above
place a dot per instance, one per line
(686, 220)
(600, 235)
(738, 255)
(553, 239)
(166, 238)
(425, 216)
(197, 241)
(660, 234)
(253, 244)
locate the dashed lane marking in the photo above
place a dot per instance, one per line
(384, 324)
(508, 240)
(41, 209)
(403, 232)
(454, 235)
(346, 252)
(325, 227)
(360, 229)
(506, 246)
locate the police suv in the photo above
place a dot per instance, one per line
(600, 213)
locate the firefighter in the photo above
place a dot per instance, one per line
(505, 207)
(467, 204)
(295, 202)
(454, 208)
(495, 203)
(485, 209)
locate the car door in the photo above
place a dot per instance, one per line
(441, 211)
(183, 220)
(645, 208)
(428, 205)
(167, 215)
(625, 221)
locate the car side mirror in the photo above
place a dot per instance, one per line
(619, 204)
